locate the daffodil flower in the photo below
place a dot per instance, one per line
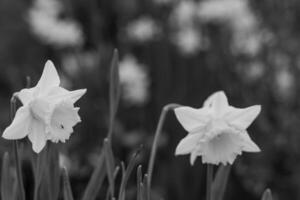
(47, 113)
(217, 131)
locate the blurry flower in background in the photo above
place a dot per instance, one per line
(72, 164)
(189, 41)
(70, 65)
(134, 81)
(284, 79)
(187, 34)
(64, 161)
(184, 13)
(217, 131)
(245, 43)
(163, 2)
(252, 71)
(75, 64)
(65, 81)
(48, 111)
(43, 18)
(284, 83)
(230, 10)
(237, 14)
(143, 29)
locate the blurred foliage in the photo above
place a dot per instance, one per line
(213, 59)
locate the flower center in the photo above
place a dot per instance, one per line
(64, 116)
(215, 128)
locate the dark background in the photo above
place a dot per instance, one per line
(181, 52)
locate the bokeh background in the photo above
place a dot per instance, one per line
(171, 51)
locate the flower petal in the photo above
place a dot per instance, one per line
(191, 118)
(187, 144)
(193, 157)
(49, 78)
(248, 144)
(19, 128)
(37, 136)
(59, 93)
(242, 118)
(218, 102)
(26, 95)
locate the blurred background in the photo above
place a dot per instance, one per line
(171, 51)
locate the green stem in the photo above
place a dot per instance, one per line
(15, 149)
(37, 177)
(155, 143)
(209, 178)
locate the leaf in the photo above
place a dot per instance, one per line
(114, 90)
(219, 184)
(7, 181)
(267, 195)
(47, 174)
(117, 169)
(40, 164)
(96, 180)
(145, 192)
(67, 187)
(139, 183)
(98, 175)
(126, 173)
(53, 173)
(110, 165)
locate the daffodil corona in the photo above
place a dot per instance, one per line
(217, 131)
(47, 113)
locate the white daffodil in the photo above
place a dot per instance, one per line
(48, 111)
(217, 131)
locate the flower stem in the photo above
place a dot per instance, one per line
(159, 127)
(209, 178)
(15, 149)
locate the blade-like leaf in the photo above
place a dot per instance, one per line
(267, 195)
(98, 175)
(139, 183)
(67, 187)
(40, 166)
(126, 174)
(96, 180)
(146, 193)
(6, 179)
(117, 169)
(114, 90)
(46, 173)
(110, 165)
(219, 184)
(53, 172)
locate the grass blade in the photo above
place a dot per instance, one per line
(96, 180)
(98, 175)
(126, 173)
(110, 165)
(139, 183)
(40, 165)
(7, 181)
(53, 175)
(114, 91)
(145, 192)
(68, 195)
(116, 172)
